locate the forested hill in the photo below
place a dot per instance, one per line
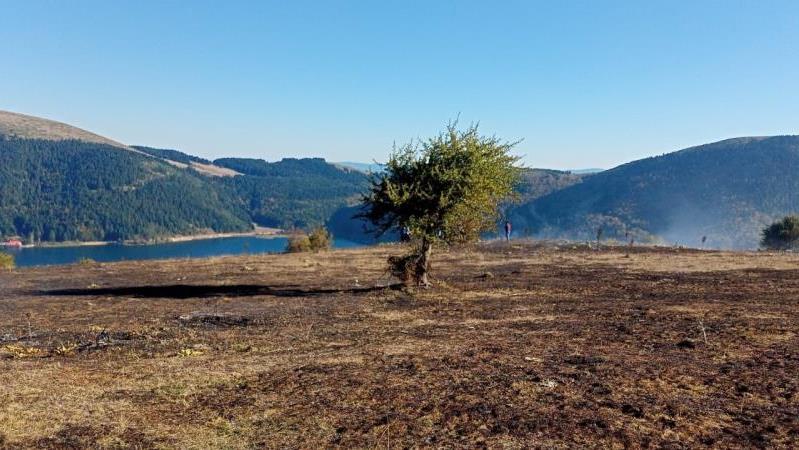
(61, 183)
(293, 193)
(727, 191)
(65, 190)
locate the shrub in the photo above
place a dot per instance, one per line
(298, 242)
(781, 235)
(6, 261)
(320, 239)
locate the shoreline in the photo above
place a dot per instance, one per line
(261, 232)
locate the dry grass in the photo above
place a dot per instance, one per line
(557, 347)
(30, 127)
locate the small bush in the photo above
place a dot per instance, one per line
(298, 243)
(86, 262)
(781, 235)
(6, 261)
(318, 240)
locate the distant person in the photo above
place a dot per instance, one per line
(508, 229)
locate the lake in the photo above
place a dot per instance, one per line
(45, 256)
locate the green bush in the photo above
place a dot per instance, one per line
(781, 235)
(6, 261)
(319, 239)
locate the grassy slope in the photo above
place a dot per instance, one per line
(556, 347)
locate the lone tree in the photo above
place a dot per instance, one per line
(446, 189)
(781, 235)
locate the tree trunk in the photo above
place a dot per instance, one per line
(423, 267)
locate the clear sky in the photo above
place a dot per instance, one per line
(584, 83)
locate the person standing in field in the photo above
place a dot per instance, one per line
(508, 228)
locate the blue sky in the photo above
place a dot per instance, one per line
(584, 83)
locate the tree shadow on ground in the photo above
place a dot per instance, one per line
(184, 291)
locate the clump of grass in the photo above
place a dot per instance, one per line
(187, 352)
(318, 240)
(67, 349)
(6, 261)
(86, 262)
(21, 351)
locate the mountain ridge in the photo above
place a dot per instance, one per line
(726, 191)
(31, 127)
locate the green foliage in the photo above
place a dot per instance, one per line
(74, 190)
(79, 191)
(292, 193)
(6, 261)
(318, 240)
(781, 235)
(447, 188)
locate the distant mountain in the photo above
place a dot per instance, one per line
(61, 183)
(584, 171)
(362, 167)
(727, 191)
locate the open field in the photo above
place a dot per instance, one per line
(518, 346)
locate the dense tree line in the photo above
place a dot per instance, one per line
(292, 193)
(74, 190)
(79, 191)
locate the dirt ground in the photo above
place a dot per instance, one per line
(519, 345)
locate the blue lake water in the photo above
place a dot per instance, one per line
(45, 256)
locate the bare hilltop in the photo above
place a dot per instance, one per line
(30, 127)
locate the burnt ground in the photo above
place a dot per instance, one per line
(517, 346)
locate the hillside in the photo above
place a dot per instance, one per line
(727, 191)
(517, 346)
(29, 127)
(184, 160)
(60, 183)
(292, 193)
(69, 190)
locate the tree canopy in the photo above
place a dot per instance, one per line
(444, 189)
(781, 235)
